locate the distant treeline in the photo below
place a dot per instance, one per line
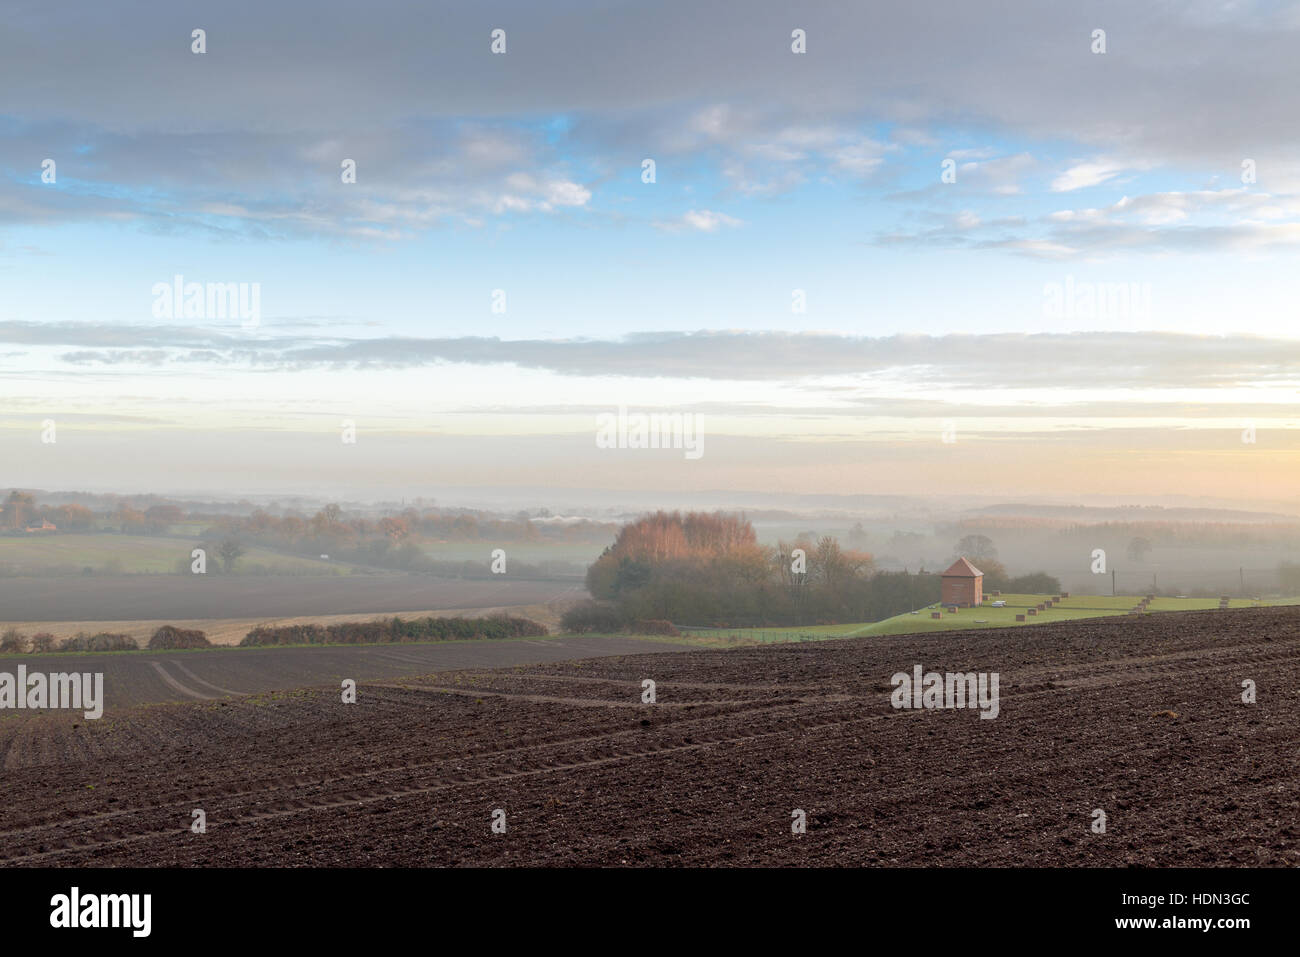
(18, 509)
(330, 527)
(709, 569)
(1163, 533)
(396, 542)
(393, 542)
(408, 558)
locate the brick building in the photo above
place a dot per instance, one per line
(963, 585)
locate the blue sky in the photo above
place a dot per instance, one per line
(625, 262)
(1109, 174)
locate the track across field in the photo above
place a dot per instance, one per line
(1139, 717)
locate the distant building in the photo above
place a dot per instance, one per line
(45, 526)
(963, 585)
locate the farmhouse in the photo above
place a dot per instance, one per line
(963, 585)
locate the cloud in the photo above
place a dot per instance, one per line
(1097, 360)
(1087, 174)
(698, 220)
(762, 149)
(263, 119)
(912, 65)
(275, 184)
(1000, 175)
(1233, 219)
(527, 193)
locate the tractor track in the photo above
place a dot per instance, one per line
(1146, 722)
(752, 709)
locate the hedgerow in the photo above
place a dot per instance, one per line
(394, 630)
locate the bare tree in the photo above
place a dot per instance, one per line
(976, 547)
(1138, 549)
(13, 642)
(230, 552)
(17, 507)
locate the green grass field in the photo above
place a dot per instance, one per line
(138, 554)
(986, 616)
(767, 636)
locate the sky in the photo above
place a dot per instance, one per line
(947, 245)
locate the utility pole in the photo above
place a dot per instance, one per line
(1241, 573)
(1112, 583)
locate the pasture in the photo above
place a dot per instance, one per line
(1074, 608)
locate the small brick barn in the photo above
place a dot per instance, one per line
(963, 585)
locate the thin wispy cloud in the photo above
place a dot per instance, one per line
(699, 220)
(1149, 359)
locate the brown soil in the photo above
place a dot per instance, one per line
(1141, 717)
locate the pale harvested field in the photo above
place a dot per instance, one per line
(230, 631)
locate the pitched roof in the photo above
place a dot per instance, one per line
(963, 569)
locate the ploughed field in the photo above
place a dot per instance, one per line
(1138, 716)
(152, 677)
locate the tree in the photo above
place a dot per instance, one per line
(13, 642)
(632, 574)
(18, 507)
(1288, 578)
(602, 575)
(133, 521)
(793, 583)
(1036, 583)
(165, 514)
(230, 551)
(995, 575)
(976, 547)
(74, 518)
(1138, 549)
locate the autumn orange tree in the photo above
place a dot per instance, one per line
(709, 567)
